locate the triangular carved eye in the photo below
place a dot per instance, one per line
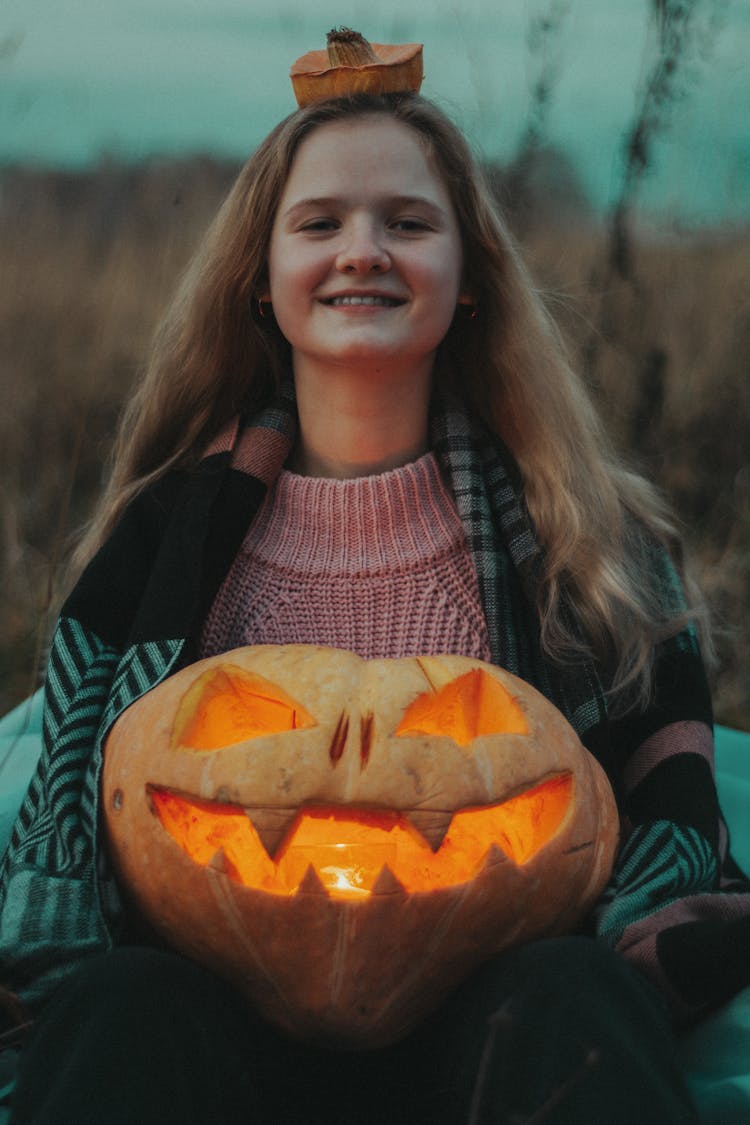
(465, 708)
(229, 705)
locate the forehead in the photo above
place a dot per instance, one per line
(364, 153)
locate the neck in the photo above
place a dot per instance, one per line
(359, 426)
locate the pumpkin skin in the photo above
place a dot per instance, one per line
(274, 742)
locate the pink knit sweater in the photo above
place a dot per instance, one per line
(378, 565)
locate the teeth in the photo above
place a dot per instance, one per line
(272, 825)
(431, 824)
(386, 302)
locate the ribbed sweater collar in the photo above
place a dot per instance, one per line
(397, 519)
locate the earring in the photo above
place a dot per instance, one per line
(261, 311)
(468, 310)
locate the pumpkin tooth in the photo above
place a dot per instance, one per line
(311, 884)
(220, 862)
(387, 883)
(272, 826)
(430, 823)
(495, 855)
(348, 48)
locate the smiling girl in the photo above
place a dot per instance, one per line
(358, 428)
(365, 272)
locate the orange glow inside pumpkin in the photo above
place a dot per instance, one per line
(348, 849)
(467, 707)
(228, 705)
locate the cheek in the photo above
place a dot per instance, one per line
(440, 292)
(438, 276)
(293, 278)
(289, 293)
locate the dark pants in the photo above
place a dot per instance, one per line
(561, 1031)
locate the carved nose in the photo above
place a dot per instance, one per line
(341, 735)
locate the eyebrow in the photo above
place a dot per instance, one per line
(328, 202)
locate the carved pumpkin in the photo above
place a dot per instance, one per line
(351, 65)
(347, 839)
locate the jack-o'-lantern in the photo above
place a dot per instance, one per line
(346, 839)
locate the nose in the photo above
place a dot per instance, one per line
(363, 251)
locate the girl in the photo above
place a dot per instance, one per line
(358, 428)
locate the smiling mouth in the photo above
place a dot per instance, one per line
(351, 301)
(349, 847)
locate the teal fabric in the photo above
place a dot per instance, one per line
(20, 747)
(716, 1053)
(733, 783)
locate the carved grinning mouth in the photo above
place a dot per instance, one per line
(350, 853)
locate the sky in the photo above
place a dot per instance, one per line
(80, 79)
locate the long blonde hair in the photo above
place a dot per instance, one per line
(213, 357)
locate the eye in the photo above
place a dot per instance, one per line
(320, 226)
(464, 709)
(411, 226)
(229, 705)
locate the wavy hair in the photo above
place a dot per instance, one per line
(595, 519)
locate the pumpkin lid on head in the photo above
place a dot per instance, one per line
(351, 65)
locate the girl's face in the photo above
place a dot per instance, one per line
(365, 258)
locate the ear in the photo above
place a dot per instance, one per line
(261, 290)
(261, 300)
(467, 298)
(467, 305)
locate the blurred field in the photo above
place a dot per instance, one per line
(88, 262)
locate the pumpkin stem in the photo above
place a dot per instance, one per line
(349, 48)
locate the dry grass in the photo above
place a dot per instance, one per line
(89, 261)
(666, 357)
